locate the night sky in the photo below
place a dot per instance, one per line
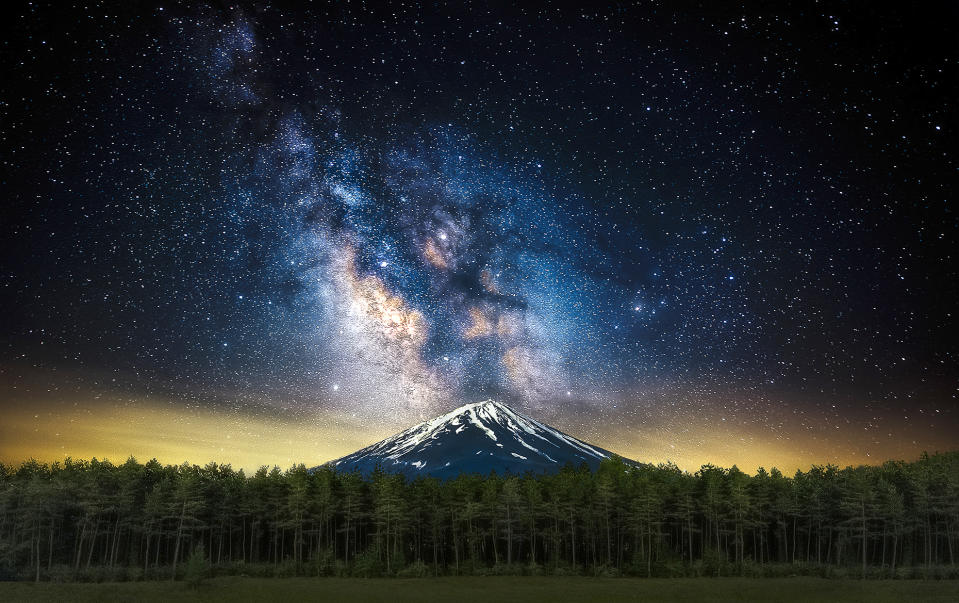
(256, 234)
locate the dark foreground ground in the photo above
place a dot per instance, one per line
(486, 589)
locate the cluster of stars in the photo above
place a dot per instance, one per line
(628, 215)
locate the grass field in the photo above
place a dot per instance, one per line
(506, 589)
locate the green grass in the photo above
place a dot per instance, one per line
(486, 590)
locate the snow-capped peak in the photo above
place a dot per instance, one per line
(476, 437)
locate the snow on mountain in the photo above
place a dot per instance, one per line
(475, 438)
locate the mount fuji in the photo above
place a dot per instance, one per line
(476, 438)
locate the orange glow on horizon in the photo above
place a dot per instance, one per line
(51, 426)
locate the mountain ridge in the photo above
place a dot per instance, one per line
(479, 437)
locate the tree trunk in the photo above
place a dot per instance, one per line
(50, 551)
(146, 554)
(79, 547)
(38, 550)
(176, 549)
(794, 541)
(456, 550)
(572, 532)
(895, 547)
(93, 542)
(509, 537)
(649, 557)
(864, 536)
(952, 559)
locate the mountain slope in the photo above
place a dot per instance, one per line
(475, 438)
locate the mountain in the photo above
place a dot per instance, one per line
(475, 438)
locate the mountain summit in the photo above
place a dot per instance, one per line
(475, 438)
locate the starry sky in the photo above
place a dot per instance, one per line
(263, 233)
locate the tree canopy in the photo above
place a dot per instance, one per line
(93, 520)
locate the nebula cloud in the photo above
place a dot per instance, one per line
(425, 271)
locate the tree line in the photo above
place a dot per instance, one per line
(93, 520)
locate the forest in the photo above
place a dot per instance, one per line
(96, 521)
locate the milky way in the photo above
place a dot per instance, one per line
(653, 225)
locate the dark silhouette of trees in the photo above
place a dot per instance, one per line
(80, 520)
